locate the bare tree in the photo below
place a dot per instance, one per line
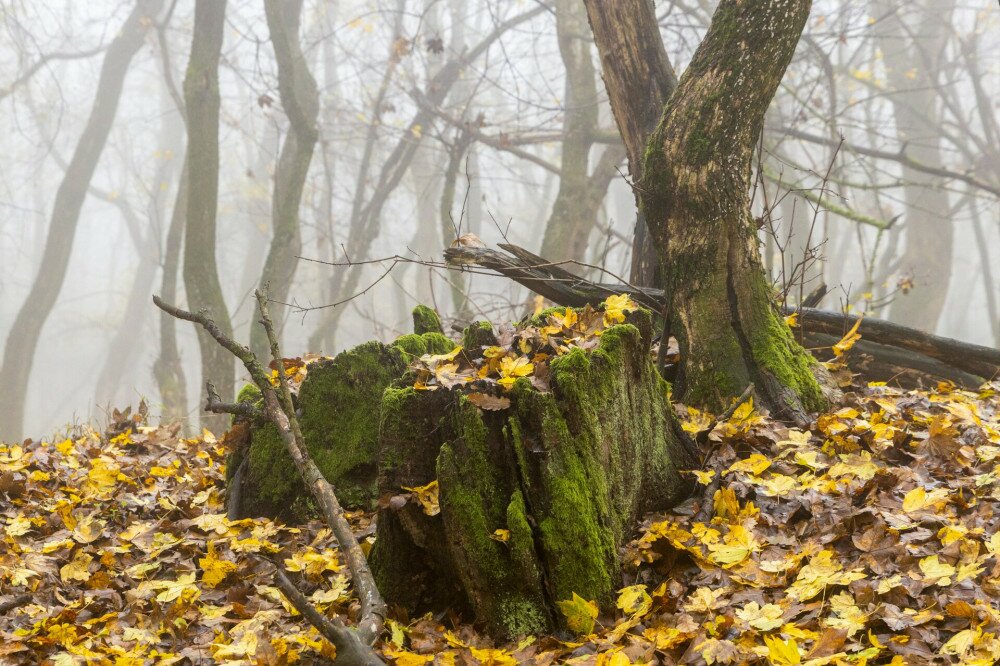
(201, 278)
(22, 341)
(300, 100)
(639, 79)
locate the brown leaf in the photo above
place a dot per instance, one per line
(490, 403)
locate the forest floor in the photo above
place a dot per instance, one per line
(870, 538)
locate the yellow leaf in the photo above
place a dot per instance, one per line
(704, 478)
(634, 600)
(736, 547)
(214, 569)
(765, 618)
(755, 464)
(580, 614)
(782, 653)
(427, 497)
(848, 340)
(919, 499)
(503, 536)
(615, 308)
(76, 569)
(936, 571)
(792, 320)
(407, 658)
(493, 657)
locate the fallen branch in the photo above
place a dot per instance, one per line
(215, 405)
(560, 286)
(279, 410)
(14, 602)
(350, 649)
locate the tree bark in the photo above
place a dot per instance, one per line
(928, 231)
(573, 213)
(300, 99)
(639, 79)
(201, 278)
(694, 193)
(22, 342)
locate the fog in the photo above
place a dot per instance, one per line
(879, 164)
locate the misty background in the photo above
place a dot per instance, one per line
(879, 172)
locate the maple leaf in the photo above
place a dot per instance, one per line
(765, 618)
(427, 497)
(634, 600)
(580, 614)
(935, 571)
(782, 653)
(214, 569)
(512, 368)
(615, 308)
(78, 568)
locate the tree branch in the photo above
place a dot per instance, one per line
(279, 410)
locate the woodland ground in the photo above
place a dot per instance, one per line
(870, 538)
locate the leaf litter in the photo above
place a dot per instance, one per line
(870, 538)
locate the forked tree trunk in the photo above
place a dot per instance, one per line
(639, 79)
(201, 278)
(695, 195)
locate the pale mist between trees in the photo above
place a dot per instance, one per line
(350, 132)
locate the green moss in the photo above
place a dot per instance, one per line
(338, 404)
(414, 345)
(426, 320)
(249, 393)
(477, 335)
(521, 617)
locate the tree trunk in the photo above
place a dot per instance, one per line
(928, 230)
(167, 368)
(639, 79)
(19, 352)
(573, 216)
(300, 100)
(694, 193)
(201, 278)
(535, 500)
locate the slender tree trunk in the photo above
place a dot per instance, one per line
(22, 341)
(694, 192)
(639, 79)
(201, 279)
(929, 234)
(168, 369)
(573, 216)
(300, 99)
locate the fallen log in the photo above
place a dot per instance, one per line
(553, 281)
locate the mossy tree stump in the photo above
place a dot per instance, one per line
(535, 500)
(338, 411)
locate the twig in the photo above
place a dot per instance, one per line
(14, 602)
(350, 649)
(278, 408)
(215, 405)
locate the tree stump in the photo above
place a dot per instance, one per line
(338, 411)
(536, 499)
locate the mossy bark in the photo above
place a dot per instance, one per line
(695, 196)
(534, 500)
(338, 405)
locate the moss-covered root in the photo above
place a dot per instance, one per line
(426, 320)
